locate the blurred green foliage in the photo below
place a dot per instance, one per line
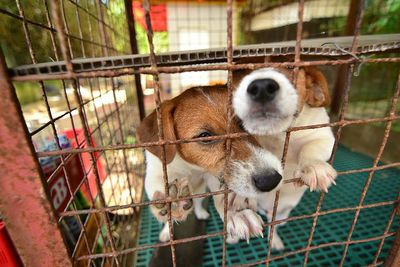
(378, 81)
(15, 45)
(160, 40)
(381, 16)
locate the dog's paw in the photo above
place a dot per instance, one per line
(243, 225)
(277, 243)
(179, 209)
(318, 175)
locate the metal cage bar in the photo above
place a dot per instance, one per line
(109, 121)
(17, 148)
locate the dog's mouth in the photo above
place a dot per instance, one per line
(259, 115)
(266, 112)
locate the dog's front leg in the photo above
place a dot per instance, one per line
(313, 169)
(179, 209)
(154, 187)
(242, 219)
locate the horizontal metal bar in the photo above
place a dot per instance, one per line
(131, 250)
(312, 47)
(197, 139)
(207, 67)
(208, 194)
(191, 239)
(281, 256)
(140, 204)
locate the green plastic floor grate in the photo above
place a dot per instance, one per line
(333, 227)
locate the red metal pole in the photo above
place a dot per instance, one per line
(24, 202)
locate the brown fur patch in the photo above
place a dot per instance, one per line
(197, 110)
(317, 88)
(148, 131)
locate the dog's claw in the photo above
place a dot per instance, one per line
(173, 190)
(244, 224)
(318, 175)
(185, 191)
(188, 204)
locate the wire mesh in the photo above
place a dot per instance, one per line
(96, 114)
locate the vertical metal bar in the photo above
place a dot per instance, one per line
(78, 19)
(299, 32)
(22, 188)
(228, 143)
(102, 28)
(122, 140)
(134, 48)
(91, 200)
(67, 57)
(345, 103)
(49, 113)
(52, 34)
(103, 143)
(339, 91)
(157, 87)
(387, 229)
(90, 30)
(375, 164)
(94, 160)
(66, 29)
(110, 135)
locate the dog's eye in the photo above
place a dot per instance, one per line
(206, 134)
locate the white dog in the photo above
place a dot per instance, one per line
(268, 103)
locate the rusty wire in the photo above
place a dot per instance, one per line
(343, 110)
(101, 211)
(190, 68)
(157, 99)
(66, 52)
(342, 123)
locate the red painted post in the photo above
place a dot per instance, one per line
(24, 203)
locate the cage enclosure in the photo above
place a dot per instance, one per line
(78, 77)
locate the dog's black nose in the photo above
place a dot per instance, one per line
(268, 181)
(263, 90)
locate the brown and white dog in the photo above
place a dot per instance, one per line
(269, 103)
(202, 112)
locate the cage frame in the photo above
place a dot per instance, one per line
(155, 64)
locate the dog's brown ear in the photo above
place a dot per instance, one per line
(316, 88)
(148, 131)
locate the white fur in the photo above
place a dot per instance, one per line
(164, 234)
(260, 122)
(177, 169)
(248, 223)
(241, 180)
(308, 149)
